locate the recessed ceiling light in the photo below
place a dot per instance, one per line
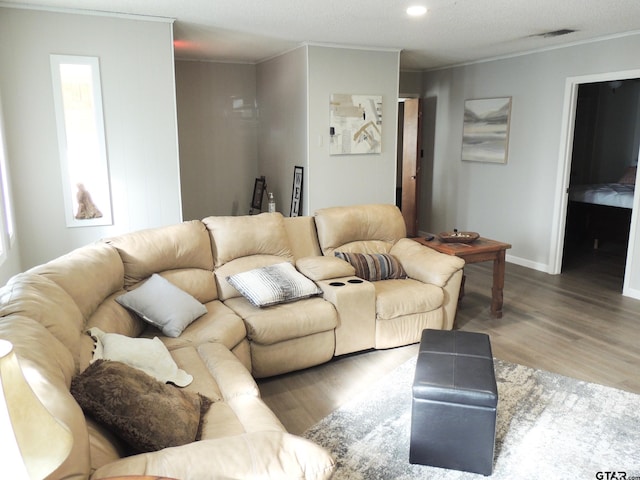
(416, 10)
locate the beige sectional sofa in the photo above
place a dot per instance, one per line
(46, 313)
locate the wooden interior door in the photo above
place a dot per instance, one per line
(411, 154)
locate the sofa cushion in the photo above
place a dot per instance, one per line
(424, 263)
(359, 228)
(147, 414)
(255, 455)
(184, 245)
(45, 301)
(285, 321)
(274, 284)
(149, 355)
(220, 324)
(244, 236)
(373, 266)
(88, 274)
(324, 268)
(163, 305)
(395, 298)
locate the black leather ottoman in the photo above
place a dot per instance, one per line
(455, 396)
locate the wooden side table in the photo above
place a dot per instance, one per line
(481, 250)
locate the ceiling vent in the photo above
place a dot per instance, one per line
(555, 33)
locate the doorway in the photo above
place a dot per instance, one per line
(578, 137)
(606, 142)
(409, 155)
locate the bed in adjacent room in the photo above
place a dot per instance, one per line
(604, 210)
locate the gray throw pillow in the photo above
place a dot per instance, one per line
(163, 305)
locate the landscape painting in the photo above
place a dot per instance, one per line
(485, 134)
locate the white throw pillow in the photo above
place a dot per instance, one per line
(147, 354)
(274, 284)
(163, 305)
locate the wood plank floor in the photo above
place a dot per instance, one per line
(576, 324)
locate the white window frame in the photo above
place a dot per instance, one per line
(7, 222)
(99, 176)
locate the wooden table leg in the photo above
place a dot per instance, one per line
(461, 294)
(498, 284)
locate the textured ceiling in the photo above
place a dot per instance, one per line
(452, 32)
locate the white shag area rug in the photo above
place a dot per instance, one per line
(548, 427)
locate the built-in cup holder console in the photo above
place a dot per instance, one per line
(342, 284)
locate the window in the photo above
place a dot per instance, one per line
(83, 154)
(7, 230)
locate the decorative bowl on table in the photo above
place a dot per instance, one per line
(458, 237)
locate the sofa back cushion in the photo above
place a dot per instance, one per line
(41, 299)
(359, 228)
(176, 247)
(248, 235)
(244, 243)
(303, 237)
(88, 274)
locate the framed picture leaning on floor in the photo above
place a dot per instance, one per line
(296, 193)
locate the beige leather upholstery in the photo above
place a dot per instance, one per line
(237, 237)
(284, 337)
(185, 245)
(46, 311)
(363, 228)
(355, 304)
(302, 236)
(403, 308)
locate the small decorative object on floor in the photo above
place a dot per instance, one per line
(458, 237)
(259, 188)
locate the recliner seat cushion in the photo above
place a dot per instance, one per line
(285, 321)
(395, 298)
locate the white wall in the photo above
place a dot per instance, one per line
(515, 202)
(351, 179)
(217, 128)
(294, 90)
(282, 139)
(138, 91)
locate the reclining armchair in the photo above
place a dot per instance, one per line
(395, 310)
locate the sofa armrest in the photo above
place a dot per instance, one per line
(355, 302)
(429, 266)
(250, 455)
(425, 264)
(324, 268)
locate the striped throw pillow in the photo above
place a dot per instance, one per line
(274, 284)
(374, 266)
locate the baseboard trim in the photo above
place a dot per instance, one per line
(523, 262)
